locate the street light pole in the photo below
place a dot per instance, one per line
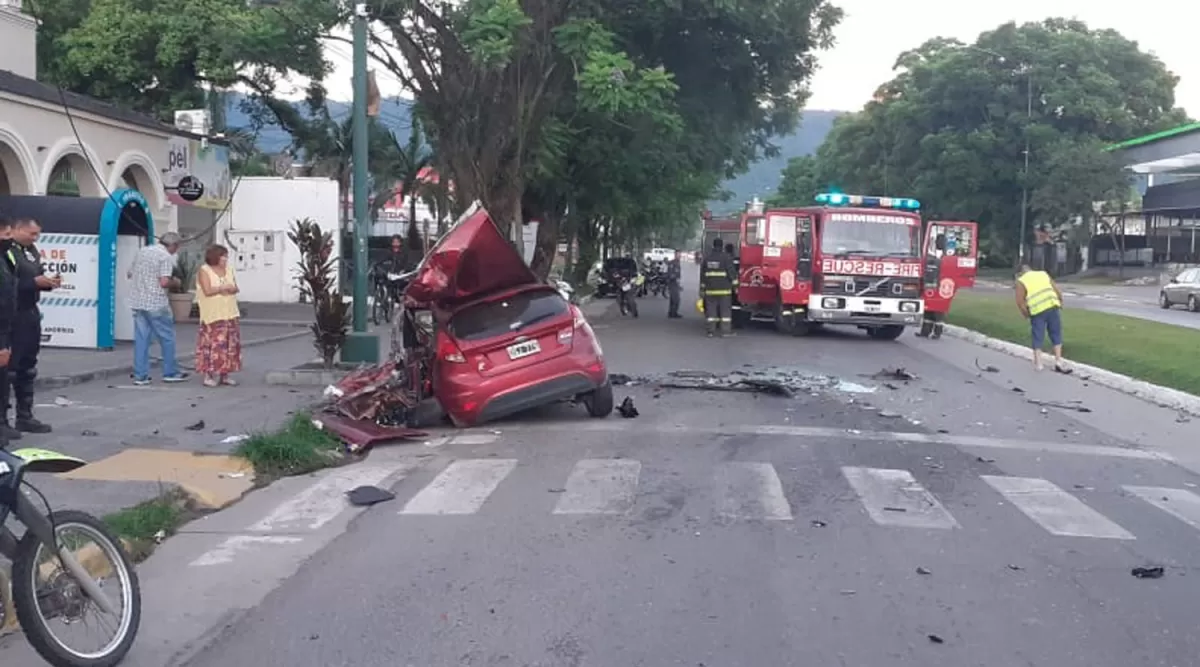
(360, 346)
(1025, 173)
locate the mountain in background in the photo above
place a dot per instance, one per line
(759, 181)
(763, 176)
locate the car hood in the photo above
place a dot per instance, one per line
(469, 261)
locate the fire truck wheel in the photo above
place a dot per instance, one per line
(889, 332)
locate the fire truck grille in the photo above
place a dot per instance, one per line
(871, 287)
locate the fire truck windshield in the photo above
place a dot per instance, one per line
(844, 237)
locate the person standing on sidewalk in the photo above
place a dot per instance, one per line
(219, 341)
(1040, 300)
(716, 286)
(674, 276)
(150, 277)
(17, 384)
(8, 311)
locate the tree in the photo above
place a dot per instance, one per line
(951, 128)
(800, 182)
(157, 57)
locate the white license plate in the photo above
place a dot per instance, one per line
(529, 347)
(871, 308)
(625, 287)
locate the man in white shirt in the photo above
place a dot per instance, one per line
(150, 278)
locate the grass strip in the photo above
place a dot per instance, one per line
(1161, 354)
(297, 448)
(145, 525)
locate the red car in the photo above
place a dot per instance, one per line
(505, 340)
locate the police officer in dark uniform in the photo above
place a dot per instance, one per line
(716, 286)
(674, 276)
(8, 302)
(26, 332)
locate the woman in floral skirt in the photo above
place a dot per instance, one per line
(219, 343)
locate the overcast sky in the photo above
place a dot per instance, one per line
(874, 32)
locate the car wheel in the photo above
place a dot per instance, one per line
(1163, 301)
(1193, 304)
(599, 401)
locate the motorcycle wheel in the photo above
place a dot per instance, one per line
(29, 604)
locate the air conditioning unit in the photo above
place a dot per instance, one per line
(196, 121)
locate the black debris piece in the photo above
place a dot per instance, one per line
(936, 639)
(1155, 572)
(556, 490)
(770, 387)
(817, 523)
(984, 459)
(898, 374)
(88, 433)
(627, 408)
(891, 386)
(198, 426)
(986, 368)
(365, 496)
(218, 431)
(1064, 370)
(1015, 568)
(943, 431)
(894, 509)
(924, 570)
(1074, 405)
(619, 379)
(1018, 390)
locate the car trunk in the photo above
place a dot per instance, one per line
(512, 330)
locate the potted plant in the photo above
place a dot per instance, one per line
(181, 293)
(318, 283)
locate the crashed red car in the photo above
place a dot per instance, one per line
(504, 340)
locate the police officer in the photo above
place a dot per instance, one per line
(8, 303)
(26, 331)
(716, 286)
(674, 275)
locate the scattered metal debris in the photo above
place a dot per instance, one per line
(936, 639)
(817, 523)
(198, 426)
(88, 433)
(984, 459)
(365, 496)
(898, 374)
(924, 570)
(1015, 568)
(627, 409)
(1073, 405)
(894, 509)
(63, 401)
(986, 368)
(1155, 572)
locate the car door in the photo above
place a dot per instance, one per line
(1190, 287)
(951, 261)
(1177, 289)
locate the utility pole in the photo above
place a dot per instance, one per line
(360, 346)
(1025, 173)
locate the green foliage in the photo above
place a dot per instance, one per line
(317, 281)
(952, 126)
(298, 448)
(156, 57)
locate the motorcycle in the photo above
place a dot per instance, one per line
(70, 593)
(627, 294)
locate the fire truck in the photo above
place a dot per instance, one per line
(851, 259)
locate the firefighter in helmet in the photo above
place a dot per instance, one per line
(716, 287)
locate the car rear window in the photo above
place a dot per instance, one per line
(495, 318)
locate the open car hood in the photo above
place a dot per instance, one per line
(469, 261)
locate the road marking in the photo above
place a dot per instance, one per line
(894, 498)
(1179, 503)
(474, 439)
(750, 491)
(1057, 511)
(600, 486)
(320, 503)
(461, 488)
(966, 441)
(229, 549)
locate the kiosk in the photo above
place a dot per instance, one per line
(91, 242)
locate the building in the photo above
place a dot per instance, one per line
(59, 143)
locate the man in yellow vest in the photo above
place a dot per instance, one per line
(1040, 300)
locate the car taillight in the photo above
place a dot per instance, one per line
(448, 351)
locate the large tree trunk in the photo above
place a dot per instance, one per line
(546, 247)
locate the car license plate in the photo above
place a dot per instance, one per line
(529, 347)
(871, 308)
(625, 287)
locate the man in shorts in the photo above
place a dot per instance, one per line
(1040, 300)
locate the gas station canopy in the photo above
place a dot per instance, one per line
(1176, 150)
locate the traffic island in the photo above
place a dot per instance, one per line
(311, 374)
(298, 448)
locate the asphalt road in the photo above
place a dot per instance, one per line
(1131, 301)
(866, 521)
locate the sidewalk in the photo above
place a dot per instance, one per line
(262, 323)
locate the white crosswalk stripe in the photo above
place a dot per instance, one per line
(462, 488)
(1057, 511)
(894, 498)
(600, 486)
(750, 491)
(1179, 503)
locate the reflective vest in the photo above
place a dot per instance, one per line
(1040, 295)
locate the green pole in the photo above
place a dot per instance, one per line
(360, 346)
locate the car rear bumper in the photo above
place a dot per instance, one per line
(470, 403)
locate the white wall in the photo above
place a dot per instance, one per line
(18, 33)
(256, 226)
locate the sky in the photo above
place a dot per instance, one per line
(874, 32)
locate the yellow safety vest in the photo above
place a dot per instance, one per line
(1039, 292)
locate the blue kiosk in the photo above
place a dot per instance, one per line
(89, 241)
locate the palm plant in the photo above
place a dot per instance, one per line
(318, 283)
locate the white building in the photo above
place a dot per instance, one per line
(108, 148)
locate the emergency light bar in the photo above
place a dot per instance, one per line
(839, 199)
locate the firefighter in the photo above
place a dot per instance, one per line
(716, 286)
(674, 276)
(26, 332)
(8, 303)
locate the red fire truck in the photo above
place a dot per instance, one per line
(951, 258)
(852, 259)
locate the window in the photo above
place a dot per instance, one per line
(843, 237)
(782, 231)
(1189, 276)
(506, 316)
(755, 228)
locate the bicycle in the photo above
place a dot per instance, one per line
(71, 591)
(382, 303)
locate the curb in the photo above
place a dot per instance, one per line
(60, 381)
(1151, 393)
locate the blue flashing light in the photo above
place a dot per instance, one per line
(839, 199)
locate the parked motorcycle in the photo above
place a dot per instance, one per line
(627, 294)
(55, 579)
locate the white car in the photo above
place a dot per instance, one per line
(660, 254)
